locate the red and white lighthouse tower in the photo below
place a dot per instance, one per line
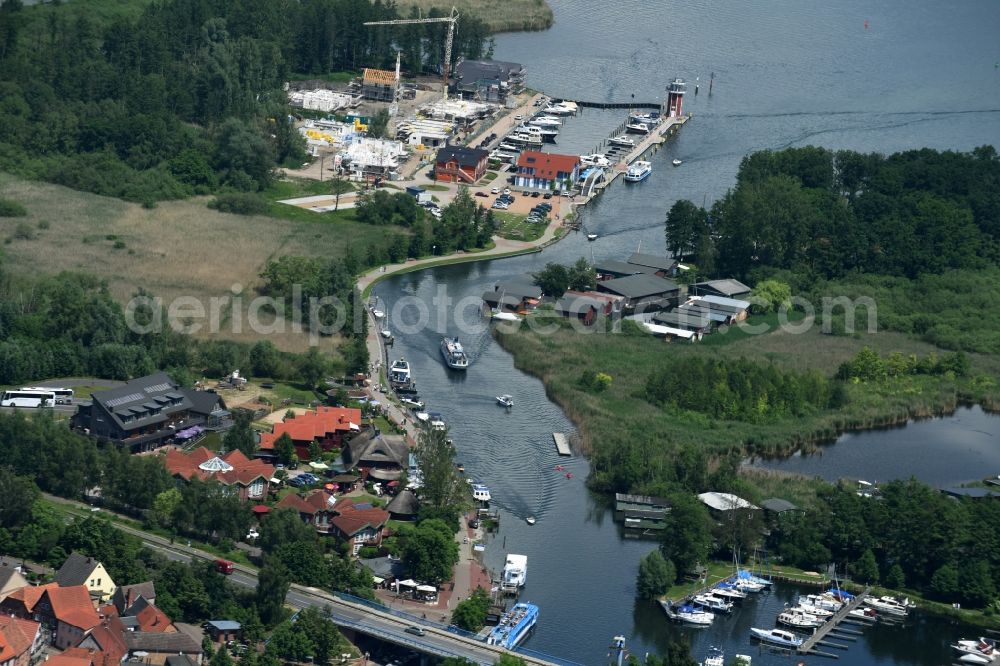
(675, 98)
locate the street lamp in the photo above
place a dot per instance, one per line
(434, 250)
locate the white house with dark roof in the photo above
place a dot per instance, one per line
(87, 571)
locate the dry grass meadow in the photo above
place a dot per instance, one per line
(179, 248)
(499, 15)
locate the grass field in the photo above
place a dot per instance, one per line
(517, 227)
(179, 248)
(499, 15)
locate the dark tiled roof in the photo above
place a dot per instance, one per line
(621, 267)
(638, 286)
(174, 642)
(466, 157)
(652, 261)
(727, 287)
(778, 505)
(75, 570)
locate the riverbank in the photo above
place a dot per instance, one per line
(510, 16)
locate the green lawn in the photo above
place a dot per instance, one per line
(517, 227)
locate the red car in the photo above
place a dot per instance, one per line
(224, 567)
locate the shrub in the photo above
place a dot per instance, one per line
(10, 208)
(239, 203)
(23, 231)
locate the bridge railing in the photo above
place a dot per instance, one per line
(535, 654)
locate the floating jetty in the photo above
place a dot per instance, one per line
(821, 634)
(562, 444)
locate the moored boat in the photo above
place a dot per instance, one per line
(779, 637)
(986, 647)
(481, 493)
(687, 614)
(729, 591)
(797, 618)
(514, 626)
(515, 572)
(712, 603)
(636, 127)
(596, 159)
(399, 372)
(545, 121)
(622, 141)
(716, 657)
(638, 171)
(563, 108)
(889, 605)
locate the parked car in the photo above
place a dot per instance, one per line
(506, 190)
(535, 195)
(547, 195)
(482, 194)
(495, 190)
(519, 117)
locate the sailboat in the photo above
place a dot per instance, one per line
(497, 313)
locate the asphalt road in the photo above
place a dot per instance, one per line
(358, 617)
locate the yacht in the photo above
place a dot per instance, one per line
(984, 647)
(454, 355)
(596, 159)
(636, 127)
(545, 121)
(412, 402)
(481, 493)
(622, 141)
(436, 421)
(399, 372)
(509, 147)
(502, 155)
(649, 119)
(890, 605)
(544, 133)
(779, 637)
(514, 625)
(505, 400)
(525, 139)
(821, 601)
(515, 572)
(561, 108)
(821, 613)
(710, 602)
(686, 614)
(638, 171)
(797, 618)
(729, 592)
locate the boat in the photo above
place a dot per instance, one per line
(975, 659)
(545, 121)
(399, 372)
(797, 618)
(386, 333)
(436, 421)
(986, 647)
(650, 119)
(779, 637)
(863, 614)
(687, 614)
(423, 417)
(622, 141)
(729, 592)
(716, 657)
(591, 237)
(412, 403)
(515, 572)
(505, 400)
(636, 127)
(454, 355)
(813, 610)
(561, 108)
(890, 605)
(821, 601)
(509, 146)
(596, 159)
(504, 316)
(503, 156)
(638, 171)
(544, 133)
(378, 314)
(745, 575)
(481, 493)
(676, 162)
(710, 602)
(525, 138)
(514, 626)
(530, 520)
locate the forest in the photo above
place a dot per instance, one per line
(183, 96)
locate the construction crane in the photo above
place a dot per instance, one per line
(451, 19)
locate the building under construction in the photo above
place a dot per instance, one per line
(379, 85)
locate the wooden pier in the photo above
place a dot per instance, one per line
(818, 638)
(562, 444)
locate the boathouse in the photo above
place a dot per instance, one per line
(458, 164)
(609, 269)
(641, 512)
(726, 288)
(643, 292)
(514, 296)
(661, 266)
(685, 320)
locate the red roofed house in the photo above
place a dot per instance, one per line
(249, 478)
(358, 525)
(69, 612)
(547, 171)
(21, 603)
(104, 645)
(19, 640)
(316, 509)
(327, 426)
(71, 657)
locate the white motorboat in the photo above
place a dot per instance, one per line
(505, 400)
(591, 237)
(509, 146)
(797, 618)
(710, 602)
(813, 610)
(687, 614)
(423, 417)
(971, 658)
(596, 159)
(985, 647)
(525, 139)
(636, 127)
(481, 493)
(530, 520)
(779, 637)
(729, 592)
(677, 162)
(650, 119)
(454, 354)
(399, 372)
(545, 121)
(716, 657)
(436, 422)
(412, 403)
(889, 605)
(502, 156)
(378, 314)
(504, 316)
(622, 141)
(638, 171)
(561, 108)
(386, 333)
(863, 614)
(544, 133)
(821, 601)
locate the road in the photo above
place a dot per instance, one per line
(385, 625)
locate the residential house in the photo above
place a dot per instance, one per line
(458, 164)
(127, 595)
(250, 479)
(147, 412)
(487, 80)
(316, 509)
(71, 657)
(518, 295)
(404, 506)
(377, 456)
(22, 602)
(385, 570)
(11, 579)
(642, 292)
(329, 427)
(663, 266)
(358, 525)
(155, 648)
(82, 570)
(547, 171)
(20, 639)
(726, 288)
(105, 644)
(223, 631)
(777, 507)
(68, 612)
(379, 85)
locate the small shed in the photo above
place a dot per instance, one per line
(404, 506)
(778, 506)
(223, 631)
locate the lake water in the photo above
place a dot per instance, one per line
(787, 73)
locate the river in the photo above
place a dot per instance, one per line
(787, 73)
